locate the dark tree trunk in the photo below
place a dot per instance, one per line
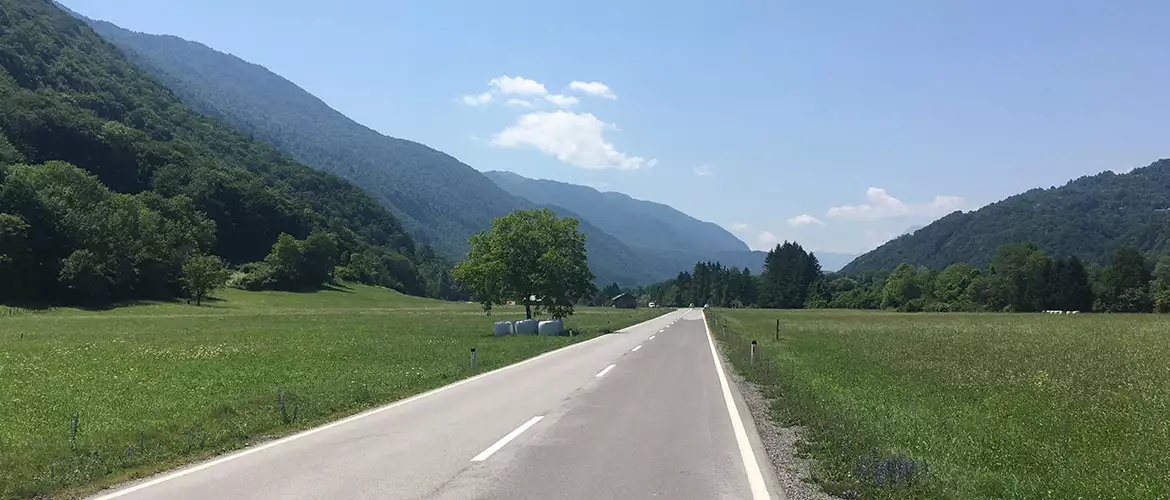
(527, 309)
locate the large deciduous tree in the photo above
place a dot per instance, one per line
(201, 275)
(526, 255)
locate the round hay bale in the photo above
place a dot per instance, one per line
(502, 328)
(554, 327)
(527, 327)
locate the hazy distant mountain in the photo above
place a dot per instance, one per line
(1089, 217)
(658, 231)
(638, 223)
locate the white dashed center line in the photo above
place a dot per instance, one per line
(606, 370)
(636, 348)
(506, 439)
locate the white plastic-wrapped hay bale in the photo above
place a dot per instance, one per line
(527, 327)
(502, 328)
(554, 327)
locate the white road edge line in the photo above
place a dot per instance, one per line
(374, 411)
(483, 455)
(636, 348)
(603, 372)
(755, 475)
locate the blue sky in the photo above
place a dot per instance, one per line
(837, 124)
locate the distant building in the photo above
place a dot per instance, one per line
(625, 301)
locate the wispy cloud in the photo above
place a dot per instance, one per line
(593, 88)
(519, 103)
(517, 85)
(880, 205)
(704, 171)
(804, 220)
(574, 138)
(562, 101)
(477, 99)
(767, 239)
(738, 226)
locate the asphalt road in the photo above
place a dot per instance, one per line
(642, 413)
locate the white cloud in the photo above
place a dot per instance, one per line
(738, 226)
(519, 102)
(594, 88)
(476, 100)
(881, 205)
(804, 220)
(517, 85)
(563, 101)
(767, 239)
(946, 204)
(574, 138)
(704, 171)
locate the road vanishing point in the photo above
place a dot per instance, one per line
(646, 412)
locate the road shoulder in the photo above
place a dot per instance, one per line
(788, 475)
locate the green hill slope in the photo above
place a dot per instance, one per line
(440, 199)
(68, 95)
(1089, 217)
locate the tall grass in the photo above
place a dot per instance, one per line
(88, 398)
(968, 406)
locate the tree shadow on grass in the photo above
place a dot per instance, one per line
(21, 307)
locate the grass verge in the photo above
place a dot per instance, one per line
(970, 406)
(92, 398)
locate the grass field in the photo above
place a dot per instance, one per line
(155, 385)
(1005, 406)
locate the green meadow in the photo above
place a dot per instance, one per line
(967, 406)
(88, 398)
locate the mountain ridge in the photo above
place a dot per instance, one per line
(1088, 217)
(639, 223)
(400, 173)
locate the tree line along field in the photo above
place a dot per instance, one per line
(966, 405)
(158, 384)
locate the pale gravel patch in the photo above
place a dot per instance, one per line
(792, 471)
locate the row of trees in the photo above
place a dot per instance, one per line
(1020, 277)
(788, 278)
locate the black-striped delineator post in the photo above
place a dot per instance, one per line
(474, 362)
(753, 351)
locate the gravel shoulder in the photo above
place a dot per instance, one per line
(792, 472)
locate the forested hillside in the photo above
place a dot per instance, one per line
(1088, 218)
(440, 199)
(108, 183)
